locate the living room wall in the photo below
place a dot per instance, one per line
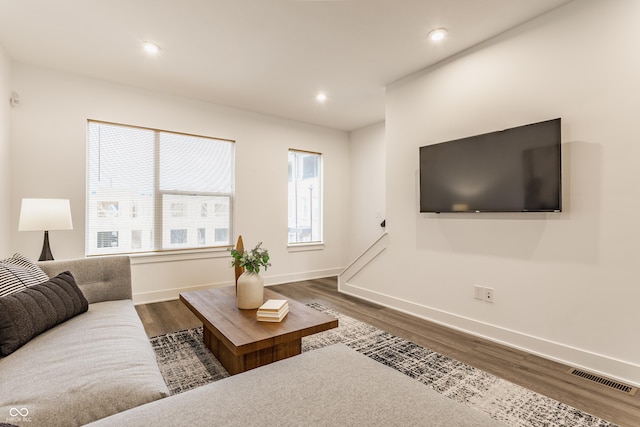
(566, 284)
(367, 179)
(5, 165)
(49, 147)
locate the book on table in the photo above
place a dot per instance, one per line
(273, 305)
(275, 317)
(274, 310)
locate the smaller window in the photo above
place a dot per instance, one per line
(202, 236)
(304, 197)
(178, 210)
(179, 236)
(221, 234)
(108, 209)
(310, 166)
(136, 239)
(107, 239)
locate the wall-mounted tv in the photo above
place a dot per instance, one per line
(512, 170)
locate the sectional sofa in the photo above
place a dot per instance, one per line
(97, 367)
(92, 365)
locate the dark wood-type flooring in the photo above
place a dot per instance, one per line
(533, 372)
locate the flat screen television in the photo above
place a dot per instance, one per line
(512, 170)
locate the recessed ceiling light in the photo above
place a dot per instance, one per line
(321, 97)
(437, 34)
(151, 48)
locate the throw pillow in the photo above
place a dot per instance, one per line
(18, 272)
(26, 314)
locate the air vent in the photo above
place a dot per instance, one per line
(604, 381)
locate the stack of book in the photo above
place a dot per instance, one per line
(274, 310)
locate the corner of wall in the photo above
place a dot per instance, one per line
(5, 151)
(367, 187)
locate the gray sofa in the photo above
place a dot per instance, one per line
(331, 386)
(93, 365)
(99, 368)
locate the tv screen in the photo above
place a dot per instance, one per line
(512, 170)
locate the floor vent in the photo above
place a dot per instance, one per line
(604, 381)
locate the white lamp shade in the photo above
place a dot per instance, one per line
(45, 215)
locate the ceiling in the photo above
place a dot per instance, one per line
(266, 56)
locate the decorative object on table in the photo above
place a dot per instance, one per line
(274, 310)
(250, 287)
(45, 215)
(239, 270)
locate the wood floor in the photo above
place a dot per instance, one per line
(533, 372)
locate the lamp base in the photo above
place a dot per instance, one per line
(46, 254)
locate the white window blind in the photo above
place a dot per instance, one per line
(148, 189)
(305, 197)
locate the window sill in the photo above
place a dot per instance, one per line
(303, 247)
(183, 255)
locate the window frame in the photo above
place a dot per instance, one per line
(312, 244)
(158, 222)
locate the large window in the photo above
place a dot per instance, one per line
(305, 197)
(150, 190)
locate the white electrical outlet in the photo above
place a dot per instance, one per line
(488, 294)
(479, 292)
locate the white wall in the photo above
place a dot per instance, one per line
(566, 285)
(5, 152)
(49, 148)
(367, 179)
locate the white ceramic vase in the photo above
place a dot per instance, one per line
(250, 290)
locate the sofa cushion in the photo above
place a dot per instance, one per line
(86, 368)
(18, 272)
(331, 386)
(99, 278)
(26, 314)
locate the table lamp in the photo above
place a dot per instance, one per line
(45, 215)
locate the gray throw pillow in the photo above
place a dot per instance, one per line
(28, 313)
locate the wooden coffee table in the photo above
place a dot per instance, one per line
(239, 341)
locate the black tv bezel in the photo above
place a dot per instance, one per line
(472, 211)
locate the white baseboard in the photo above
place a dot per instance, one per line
(620, 370)
(306, 275)
(173, 293)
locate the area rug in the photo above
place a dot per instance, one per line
(185, 363)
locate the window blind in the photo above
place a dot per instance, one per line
(152, 190)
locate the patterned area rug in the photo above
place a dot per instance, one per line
(185, 364)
